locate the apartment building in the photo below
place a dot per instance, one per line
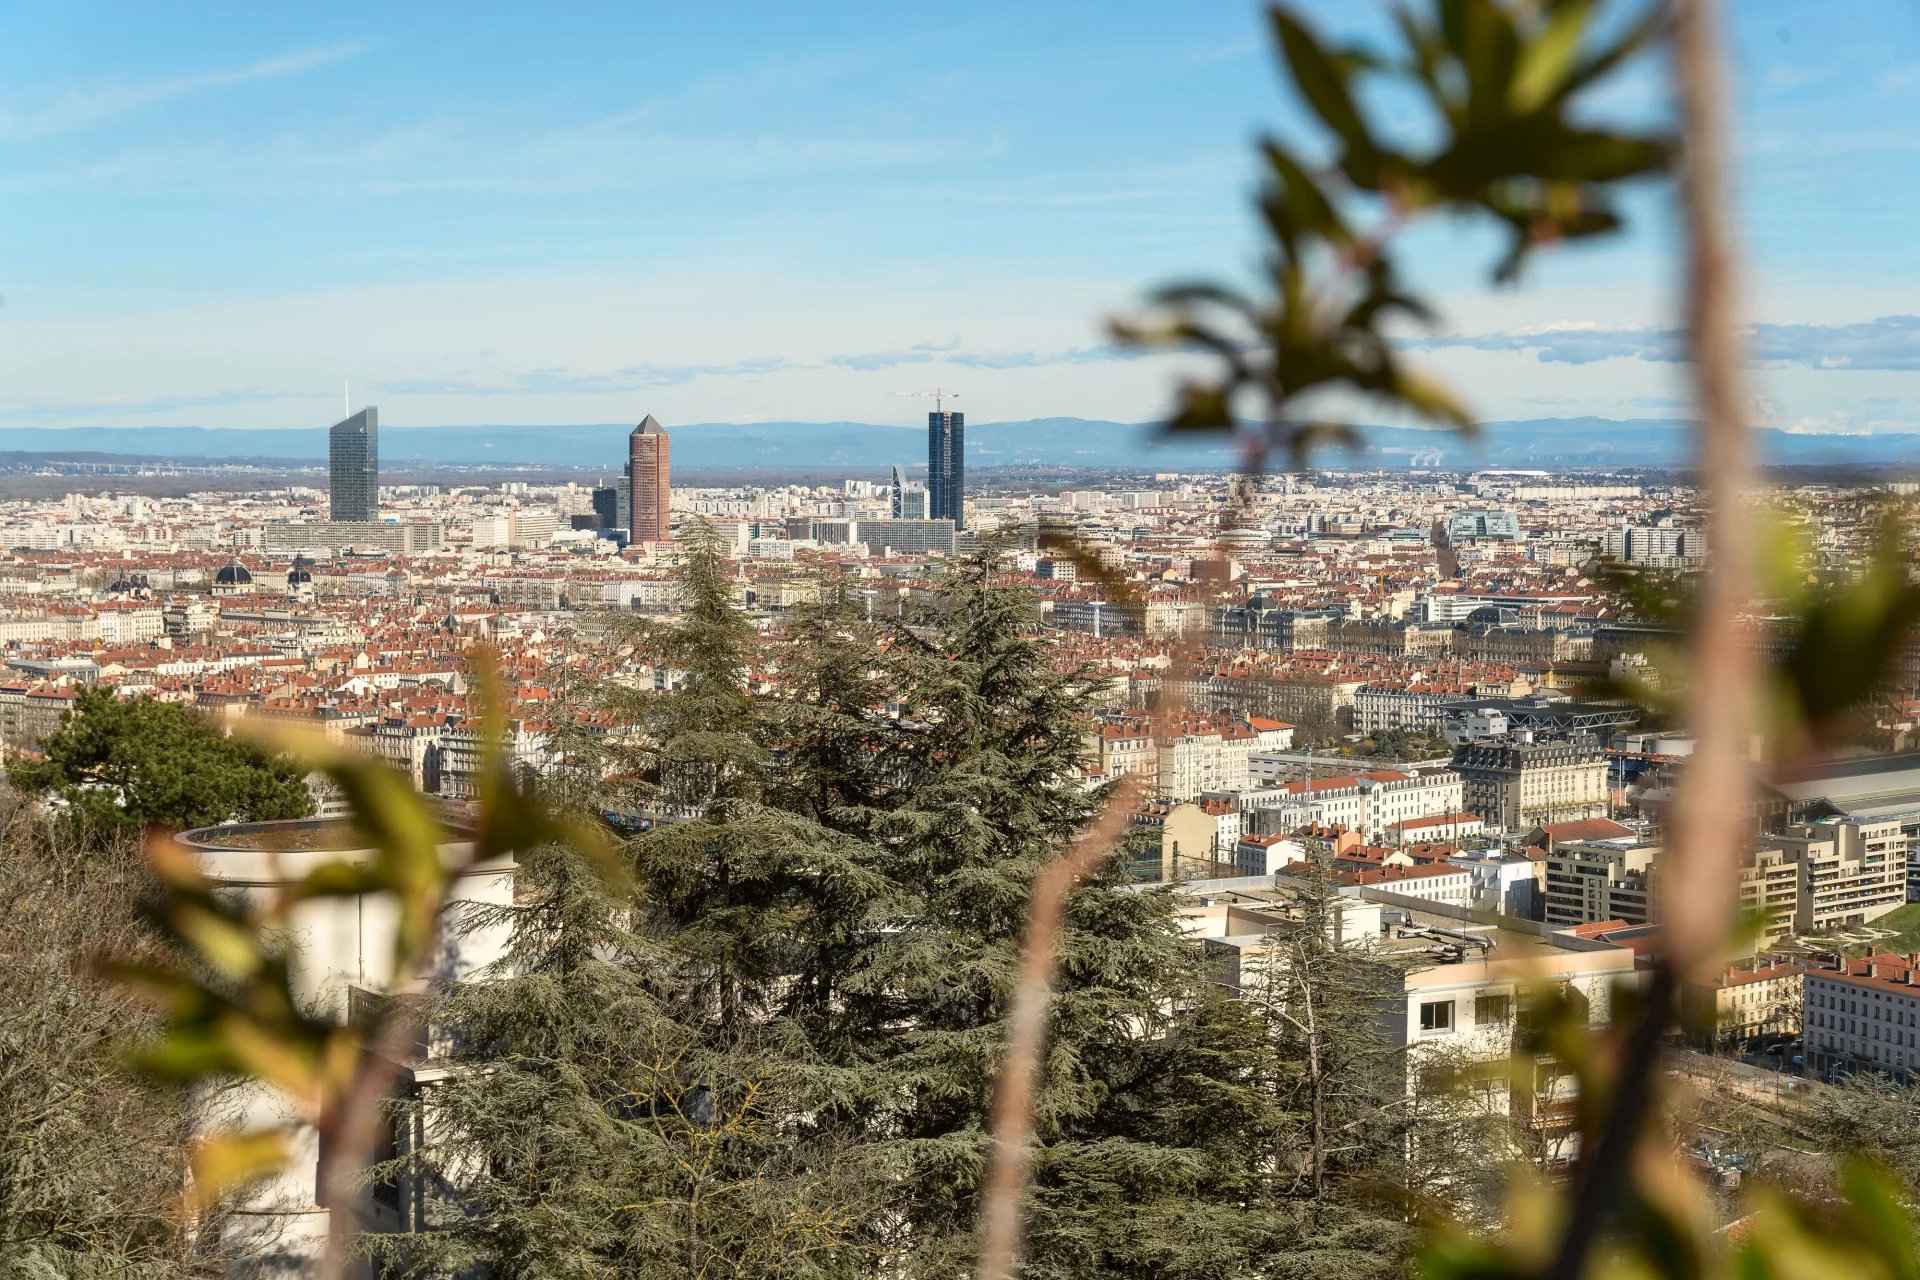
(1428, 884)
(1744, 1002)
(1588, 881)
(1864, 1016)
(1459, 983)
(1190, 763)
(1510, 883)
(1264, 855)
(1394, 799)
(1852, 870)
(1373, 803)
(1832, 874)
(1383, 708)
(1213, 755)
(1124, 747)
(1458, 825)
(1770, 888)
(1518, 784)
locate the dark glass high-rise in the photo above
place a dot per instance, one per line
(947, 468)
(353, 467)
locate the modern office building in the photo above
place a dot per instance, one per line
(353, 467)
(648, 481)
(905, 537)
(947, 467)
(908, 501)
(1470, 526)
(411, 538)
(606, 507)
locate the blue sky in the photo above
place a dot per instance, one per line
(216, 214)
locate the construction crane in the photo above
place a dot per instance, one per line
(940, 397)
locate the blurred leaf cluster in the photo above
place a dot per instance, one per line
(230, 999)
(1506, 84)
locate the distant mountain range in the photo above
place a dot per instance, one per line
(1550, 444)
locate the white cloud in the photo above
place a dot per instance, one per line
(84, 108)
(688, 343)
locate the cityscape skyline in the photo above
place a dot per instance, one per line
(1419, 687)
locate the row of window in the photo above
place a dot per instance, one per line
(1863, 1028)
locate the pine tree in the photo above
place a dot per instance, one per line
(591, 1130)
(637, 1096)
(119, 765)
(1153, 1129)
(777, 1056)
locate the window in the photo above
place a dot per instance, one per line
(1492, 1010)
(1436, 1015)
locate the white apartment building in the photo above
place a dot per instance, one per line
(1372, 803)
(1509, 883)
(1381, 709)
(1190, 764)
(1392, 800)
(1209, 756)
(130, 624)
(38, 628)
(1428, 883)
(1865, 1017)
(1461, 980)
(1852, 871)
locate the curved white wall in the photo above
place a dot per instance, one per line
(334, 945)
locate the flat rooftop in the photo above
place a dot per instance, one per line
(1509, 939)
(329, 835)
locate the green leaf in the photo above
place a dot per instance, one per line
(1487, 43)
(221, 1164)
(1320, 80)
(1591, 155)
(231, 946)
(1431, 400)
(1200, 407)
(1547, 58)
(1299, 198)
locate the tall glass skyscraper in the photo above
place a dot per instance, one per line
(353, 467)
(947, 468)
